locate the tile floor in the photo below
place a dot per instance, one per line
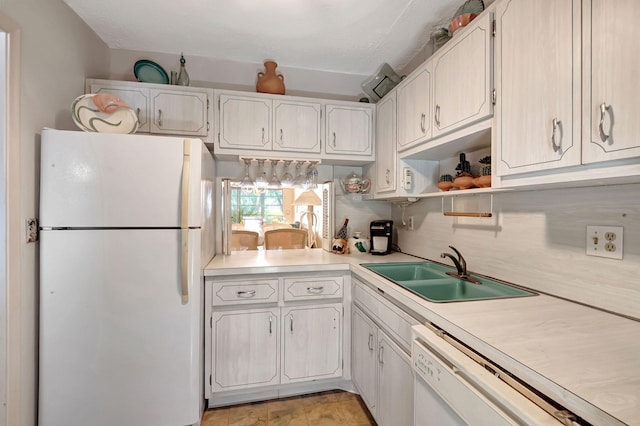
(331, 408)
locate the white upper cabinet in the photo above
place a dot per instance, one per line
(462, 78)
(611, 65)
(385, 167)
(296, 126)
(414, 108)
(163, 109)
(349, 130)
(538, 85)
(292, 127)
(137, 97)
(179, 113)
(245, 122)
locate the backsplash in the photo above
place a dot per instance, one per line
(538, 239)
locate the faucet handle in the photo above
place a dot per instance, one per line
(457, 252)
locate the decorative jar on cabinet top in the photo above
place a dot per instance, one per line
(269, 81)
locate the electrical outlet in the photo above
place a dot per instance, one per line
(605, 241)
(31, 227)
(410, 223)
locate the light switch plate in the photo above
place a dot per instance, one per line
(605, 241)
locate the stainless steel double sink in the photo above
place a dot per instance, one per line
(430, 281)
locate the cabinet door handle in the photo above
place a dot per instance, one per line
(270, 325)
(604, 108)
(159, 118)
(246, 294)
(437, 115)
(380, 353)
(291, 323)
(281, 136)
(388, 176)
(138, 113)
(370, 343)
(557, 127)
(263, 135)
(422, 117)
(315, 290)
(334, 139)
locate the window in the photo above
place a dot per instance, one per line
(267, 207)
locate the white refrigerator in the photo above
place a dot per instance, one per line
(126, 229)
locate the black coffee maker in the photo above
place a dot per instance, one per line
(381, 232)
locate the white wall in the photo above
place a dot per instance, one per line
(221, 74)
(58, 50)
(538, 239)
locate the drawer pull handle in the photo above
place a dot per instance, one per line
(604, 108)
(246, 294)
(315, 290)
(557, 128)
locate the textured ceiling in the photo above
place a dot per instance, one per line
(348, 36)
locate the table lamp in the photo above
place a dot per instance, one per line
(309, 198)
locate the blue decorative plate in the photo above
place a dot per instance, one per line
(149, 72)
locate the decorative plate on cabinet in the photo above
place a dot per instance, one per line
(149, 72)
(116, 117)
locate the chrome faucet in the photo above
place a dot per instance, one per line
(461, 266)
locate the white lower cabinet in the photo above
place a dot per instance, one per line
(395, 384)
(364, 358)
(311, 342)
(269, 331)
(245, 349)
(381, 370)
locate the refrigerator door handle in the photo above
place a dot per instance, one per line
(184, 221)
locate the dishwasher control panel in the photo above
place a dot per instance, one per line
(425, 364)
(474, 394)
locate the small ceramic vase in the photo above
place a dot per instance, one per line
(269, 81)
(445, 185)
(463, 181)
(445, 182)
(482, 181)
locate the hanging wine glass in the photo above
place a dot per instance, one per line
(247, 183)
(300, 180)
(287, 178)
(261, 180)
(274, 182)
(312, 176)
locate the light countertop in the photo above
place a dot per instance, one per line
(583, 358)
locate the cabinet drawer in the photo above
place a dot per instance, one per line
(312, 288)
(245, 292)
(391, 319)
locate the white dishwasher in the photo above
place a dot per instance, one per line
(452, 389)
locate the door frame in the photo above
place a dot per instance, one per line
(10, 357)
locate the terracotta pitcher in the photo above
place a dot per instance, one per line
(269, 81)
